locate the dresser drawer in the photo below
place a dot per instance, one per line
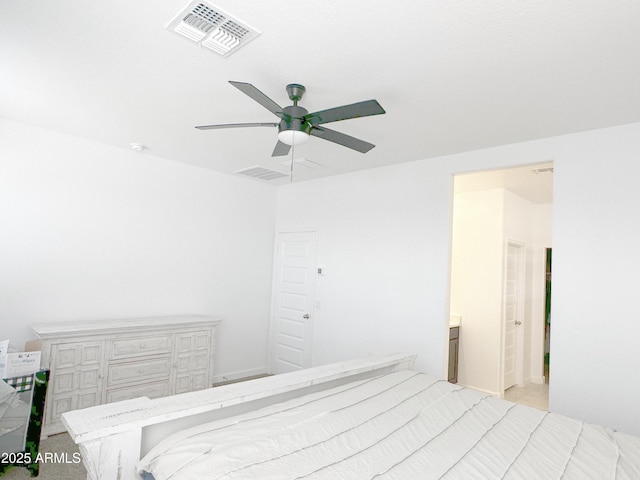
(140, 346)
(151, 390)
(139, 371)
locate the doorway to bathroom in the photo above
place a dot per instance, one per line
(495, 212)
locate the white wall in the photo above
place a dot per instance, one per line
(382, 235)
(476, 285)
(384, 241)
(90, 231)
(595, 326)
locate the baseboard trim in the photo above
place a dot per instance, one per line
(481, 390)
(539, 380)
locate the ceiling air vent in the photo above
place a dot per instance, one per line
(213, 28)
(261, 173)
(538, 171)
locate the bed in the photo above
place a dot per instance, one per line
(373, 418)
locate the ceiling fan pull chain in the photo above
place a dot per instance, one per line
(293, 149)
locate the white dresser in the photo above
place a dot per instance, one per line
(105, 361)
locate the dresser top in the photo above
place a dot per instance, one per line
(54, 329)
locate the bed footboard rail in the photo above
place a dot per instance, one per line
(113, 437)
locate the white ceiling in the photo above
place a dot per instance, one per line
(452, 76)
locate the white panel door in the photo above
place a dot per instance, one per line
(295, 275)
(512, 317)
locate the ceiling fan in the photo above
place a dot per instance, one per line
(297, 124)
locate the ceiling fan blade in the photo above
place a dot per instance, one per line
(259, 97)
(355, 110)
(235, 125)
(281, 149)
(342, 139)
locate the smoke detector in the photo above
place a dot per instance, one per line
(137, 147)
(213, 28)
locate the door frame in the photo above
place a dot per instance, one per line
(272, 310)
(521, 284)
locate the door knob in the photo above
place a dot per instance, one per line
(518, 322)
(305, 316)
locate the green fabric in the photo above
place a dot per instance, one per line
(32, 443)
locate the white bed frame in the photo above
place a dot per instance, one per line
(113, 437)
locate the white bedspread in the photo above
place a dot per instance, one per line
(402, 426)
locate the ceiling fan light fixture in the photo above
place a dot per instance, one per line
(293, 137)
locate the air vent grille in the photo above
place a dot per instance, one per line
(262, 173)
(233, 28)
(211, 27)
(206, 14)
(538, 171)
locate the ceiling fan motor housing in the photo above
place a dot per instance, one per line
(293, 119)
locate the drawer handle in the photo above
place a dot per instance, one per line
(142, 345)
(141, 370)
